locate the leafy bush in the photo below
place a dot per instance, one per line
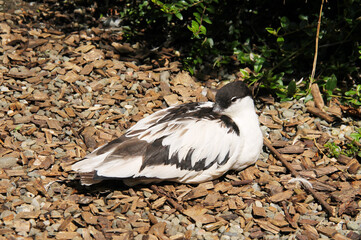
(271, 43)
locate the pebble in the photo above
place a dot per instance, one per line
(28, 142)
(191, 227)
(24, 208)
(288, 113)
(35, 204)
(265, 131)
(275, 135)
(335, 132)
(297, 106)
(258, 204)
(140, 237)
(354, 225)
(172, 229)
(18, 136)
(4, 89)
(256, 187)
(59, 153)
(175, 221)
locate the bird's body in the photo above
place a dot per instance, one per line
(189, 143)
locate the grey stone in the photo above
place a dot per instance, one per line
(18, 136)
(288, 113)
(172, 230)
(222, 229)
(356, 226)
(297, 106)
(275, 135)
(191, 226)
(18, 12)
(24, 208)
(225, 237)
(28, 142)
(335, 132)
(139, 237)
(175, 221)
(265, 130)
(164, 76)
(4, 89)
(35, 232)
(256, 187)
(35, 204)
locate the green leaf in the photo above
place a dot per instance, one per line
(258, 64)
(244, 73)
(194, 28)
(210, 42)
(207, 20)
(271, 31)
(211, 9)
(285, 22)
(280, 40)
(257, 67)
(350, 93)
(303, 17)
(355, 136)
(309, 97)
(198, 17)
(331, 83)
(179, 16)
(358, 90)
(191, 70)
(291, 88)
(203, 30)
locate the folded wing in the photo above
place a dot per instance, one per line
(180, 144)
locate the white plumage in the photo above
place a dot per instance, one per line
(189, 143)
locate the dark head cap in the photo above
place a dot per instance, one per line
(231, 92)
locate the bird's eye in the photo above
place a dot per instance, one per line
(234, 99)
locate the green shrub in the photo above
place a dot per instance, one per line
(271, 43)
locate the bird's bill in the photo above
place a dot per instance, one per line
(217, 108)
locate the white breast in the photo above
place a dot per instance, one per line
(244, 115)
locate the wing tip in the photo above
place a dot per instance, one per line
(87, 178)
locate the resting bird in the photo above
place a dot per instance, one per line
(189, 143)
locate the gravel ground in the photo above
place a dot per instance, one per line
(64, 94)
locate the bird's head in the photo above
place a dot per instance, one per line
(232, 98)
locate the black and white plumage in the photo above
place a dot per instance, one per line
(189, 143)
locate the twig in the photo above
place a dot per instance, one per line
(288, 216)
(200, 22)
(317, 97)
(316, 144)
(321, 114)
(316, 46)
(326, 206)
(169, 199)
